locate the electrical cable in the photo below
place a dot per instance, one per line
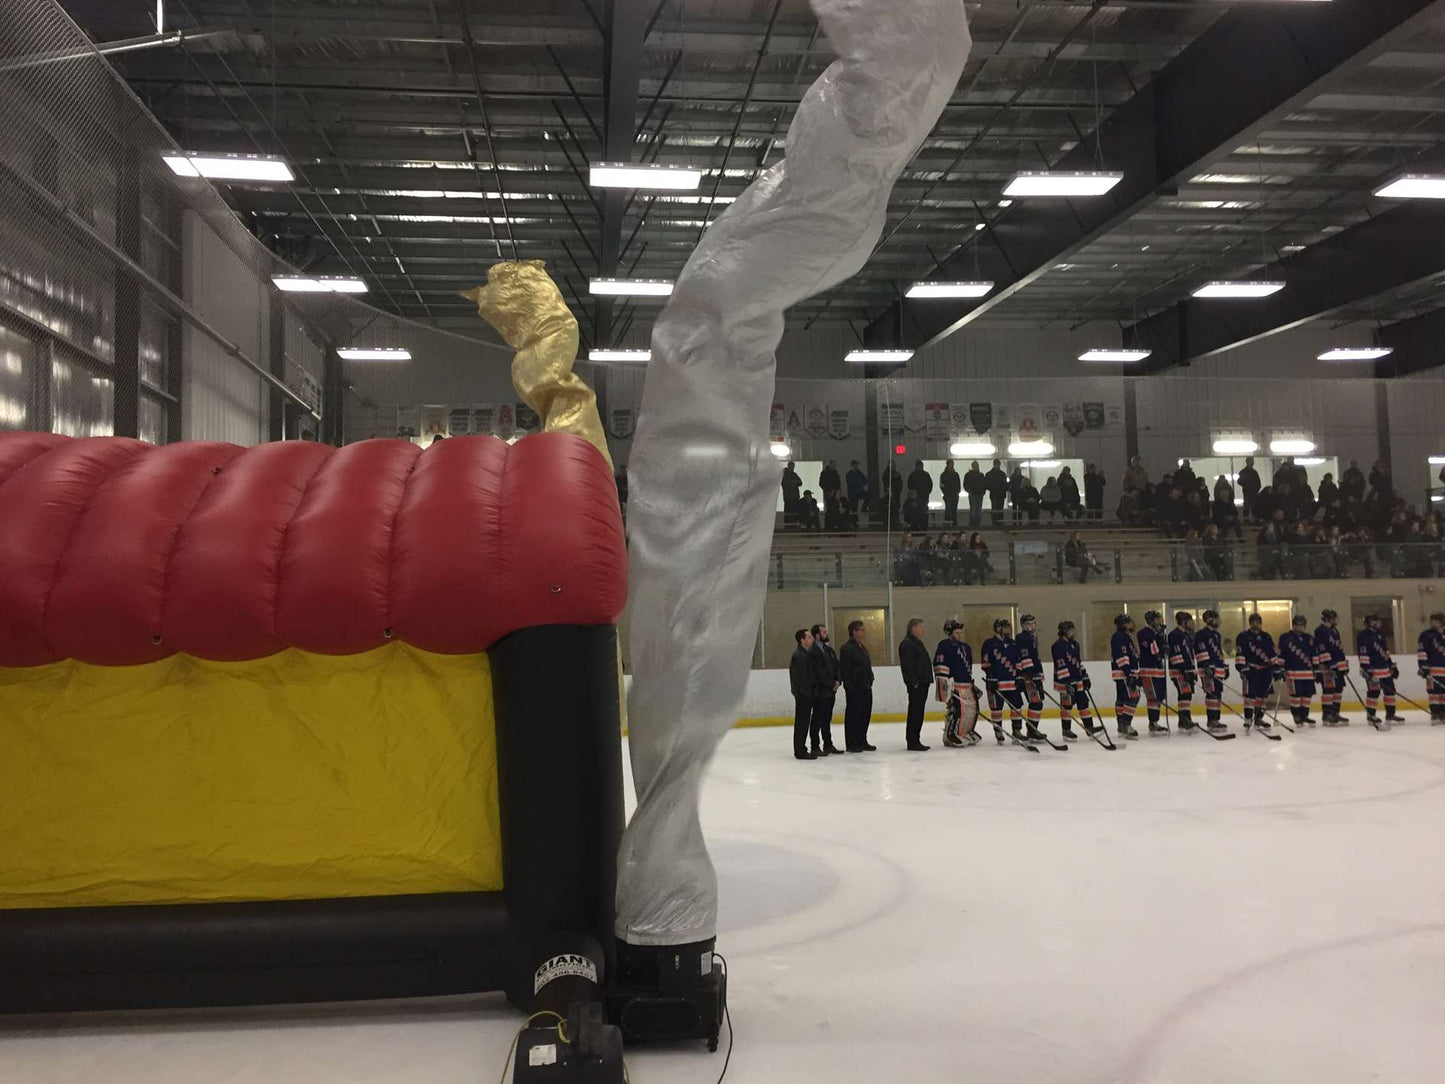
(727, 1016)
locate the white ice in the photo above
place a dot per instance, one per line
(1181, 911)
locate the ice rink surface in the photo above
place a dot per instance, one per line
(1181, 911)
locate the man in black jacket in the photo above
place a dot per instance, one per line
(855, 671)
(920, 484)
(975, 487)
(825, 681)
(917, 666)
(997, 482)
(950, 485)
(804, 683)
(1249, 486)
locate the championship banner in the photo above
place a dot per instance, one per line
(981, 417)
(459, 421)
(1114, 418)
(777, 427)
(794, 424)
(840, 424)
(484, 418)
(914, 417)
(1073, 418)
(817, 421)
(527, 420)
(1053, 418)
(408, 421)
(1093, 415)
(958, 423)
(620, 422)
(1003, 417)
(938, 418)
(506, 421)
(433, 421)
(1028, 421)
(890, 417)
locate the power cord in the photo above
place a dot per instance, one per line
(727, 1016)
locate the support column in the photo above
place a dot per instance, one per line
(1131, 420)
(276, 362)
(126, 398)
(332, 405)
(1382, 425)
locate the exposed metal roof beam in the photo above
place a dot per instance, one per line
(623, 25)
(1246, 74)
(1419, 344)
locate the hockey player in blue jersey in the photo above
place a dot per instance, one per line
(1031, 669)
(1124, 655)
(1212, 668)
(1258, 664)
(953, 677)
(1334, 667)
(1181, 668)
(1071, 682)
(1152, 654)
(1378, 669)
(1000, 660)
(1431, 656)
(1301, 660)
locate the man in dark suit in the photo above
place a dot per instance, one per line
(917, 666)
(855, 671)
(825, 679)
(800, 675)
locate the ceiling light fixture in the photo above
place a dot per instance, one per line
(1115, 355)
(229, 167)
(1291, 446)
(1030, 449)
(779, 449)
(662, 178)
(964, 449)
(1357, 353)
(1238, 289)
(1044, 464)
(1062, 184)
(619, 355)
(318, 284)
(949, 289)
(1414, 186)
(630, 287)
(1310, 461)
(1235, 446)
(861, 356)
(1437, 461)
(378, 353)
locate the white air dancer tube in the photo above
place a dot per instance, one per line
(702, 483)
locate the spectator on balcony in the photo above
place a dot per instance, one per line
(1379, 478)
(1169, 512)
(1226, 518)
(915, 515)
(829, 480)
(1094, 482)
(1184, 476)
(1249, 486)
(1196, 510)
(1352, 482)
(792, 488)
(1069, 494)
(975, 485)
(1016, 483)
(1269, 553)
(1136, 477)
(977, 563)
(1028, 501)
(908, 563)
(890, 494)
(808, 512)
(920, 484)
(1323, 555)
(1077, 555)
(1433, 546)
(1223, 490)
(949, 486)
(836, 514)
(1217, 556)
(857, 483)
(1129, 512)
(998, 488)
(1329, 492)
(1192, 554)
(1051, 498)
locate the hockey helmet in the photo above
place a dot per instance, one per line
(1255, 619)
(1329, 615)
(1066, 627)
(1300, 621)
(1152, 616)
(1026, 620)
(951, 626)
(1122, 620)
(1211, 618)
(1001, 624)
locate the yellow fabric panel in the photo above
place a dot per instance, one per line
(298, 776)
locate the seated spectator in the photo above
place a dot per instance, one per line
(1226, 519)
(1269, 553)
(1077, 555)
(908, 563)
(1192, 553)
(1029, 501)
(1051, 498)
(1218, 557)
(1322, 555)
(979, 564)
(1128, 511)
(808, 512)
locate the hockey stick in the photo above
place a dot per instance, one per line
(1224, 735)
(1098, 727)
(1382, 725)
(1039, 730)
(1274, 714)
(1245, 696)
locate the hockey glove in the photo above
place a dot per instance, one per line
(1394, 672)
(1087, 683)
(1424, 671)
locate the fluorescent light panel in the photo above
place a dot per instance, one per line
(1357, 353)
(1031, 449)
(322, 284)
(782, 451)
(861, 356)
(964, 449)
(1437, 461)
(663, 178)
(630, 287)
(1414, 186)
(377, 353)
(949, 289)
(1235, 447)
(1115, 355)
(1062, 184)
(1239, 289)
(619, 355)
(229, 167)
(1291, 446)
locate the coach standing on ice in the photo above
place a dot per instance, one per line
(855, 668)
(917, 666)
(805, 693)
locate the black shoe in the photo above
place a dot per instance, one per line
(853, 749)
(817, 753)
(917, 747)
(805, 756)
(833, 751)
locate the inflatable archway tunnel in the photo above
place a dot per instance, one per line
(295, 723)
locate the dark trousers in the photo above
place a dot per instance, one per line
(917, 700)
(975, 509)
(822, 726)
(856, 715)
(950, 510)
(802, 717)
(995, 504)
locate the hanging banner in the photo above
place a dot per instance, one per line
(506, 421)
(527, 420)
(1073, 418)
(958, 420)
(1093, 415)
(914, 418)
(1053, 417)
(484, 418)
(459, 421)
(840, 424)
(1003, 417)
(408, 421)
(817, 421)
(433, 422)
(890, 417)
(939, 419)
(1028, 421)
(794, 425)
(777, 428)
(1114, 418)
(620, 422)
(980, 416)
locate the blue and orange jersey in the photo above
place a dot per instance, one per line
(1431, 652)
(1152, 650)
(1181, 652)
(1331, 647)
(1000, 661)
(1209, 651)
(1068, 663)
(1124, 654)
(1300, 655)
(1374, 652)
(1255, 650)
(1030, 664)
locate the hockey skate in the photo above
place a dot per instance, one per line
(1126, 730)
(1034, 734)
(1216, 726)
(1069, 734)
(1158, 730)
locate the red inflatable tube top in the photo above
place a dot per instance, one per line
(116, 552)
